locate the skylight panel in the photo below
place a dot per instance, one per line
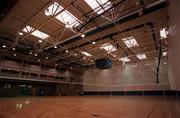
(37, 33)
(130, 42)
(141, 56)
(28, 29)
(68, 19)
(53, 9)
(108, 47)
(86, 53)
(163, 33)
(40, 34)
(99, 6)
(124, 59)
(65, 16)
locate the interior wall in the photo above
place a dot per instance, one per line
(174, 43)
(12, 65)
(130, 77)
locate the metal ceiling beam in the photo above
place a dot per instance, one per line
(117, 33)
(131, 16)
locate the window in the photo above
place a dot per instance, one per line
(65, 17)
(130, 42)
(108, 47)
(86, 53)
(99, 6)
(141, 56)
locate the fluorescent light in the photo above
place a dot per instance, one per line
(124, 59)
(28, 29)
(165, 54)
(130, 42)
(40, 34)
(53, 9)
(141, 56)
(108, 47)
(99, 6)
(163, 33)
(86, 53)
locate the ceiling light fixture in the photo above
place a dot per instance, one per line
(36, 54)
(14, 49)
(163, 33)
(30, 52)
(55, 46)
(67, 26)
(67, 51)
(93, 42)
(82, 35)
(165, 54)
(20, 33)
(40, 41)
(86, 53)
(47, 58)
(15, 54)
(4, 46)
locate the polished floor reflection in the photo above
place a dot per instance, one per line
(90, 107)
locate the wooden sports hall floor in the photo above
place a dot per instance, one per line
(90, 107)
